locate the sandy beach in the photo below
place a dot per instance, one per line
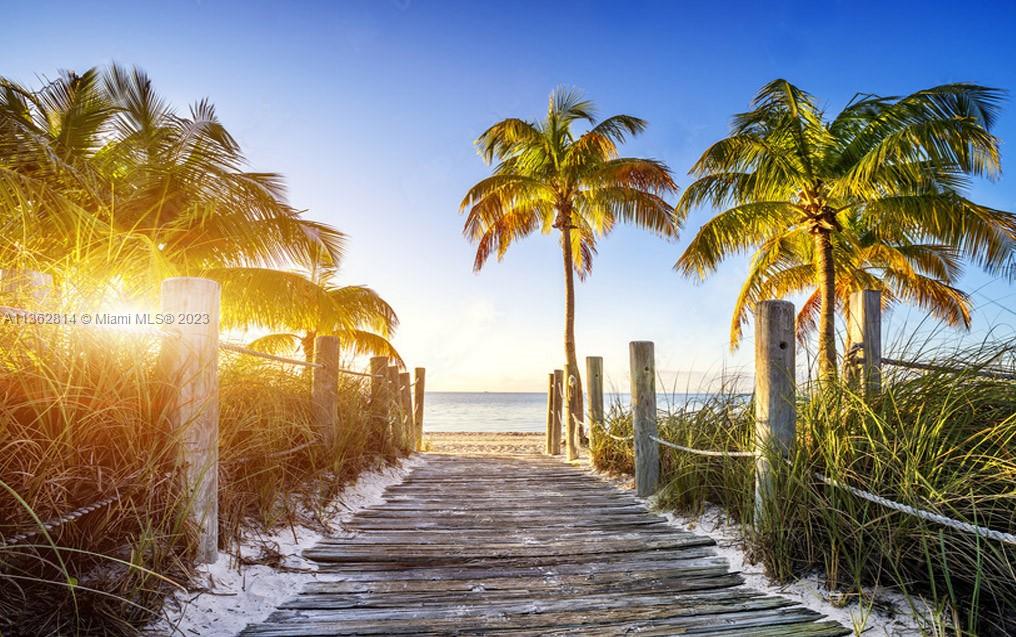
(507, 442)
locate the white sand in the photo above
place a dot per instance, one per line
(231, 595)
(503, 442)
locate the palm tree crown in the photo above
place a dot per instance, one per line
(97, 169)
(894, 168)
(316, 306)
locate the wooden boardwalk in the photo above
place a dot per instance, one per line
(525, 545)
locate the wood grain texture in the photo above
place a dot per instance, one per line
(643, 415)
(524, 545)
(419, 394)
(775, 394)
(558, 401)
(325, 388)
(864, 328)
(192, 362)
(594, 394)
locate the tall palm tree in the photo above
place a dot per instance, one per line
(548, 177)
(900, 164)
(923, 274)
(315, 305)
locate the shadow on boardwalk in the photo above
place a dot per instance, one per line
(525, 545)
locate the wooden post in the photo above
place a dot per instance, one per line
(418, 396)
(555, 430)
(549, 450)
(864, 328)
(379, 394)
(775, 387)
(325, 388)
(191, 356)
(571, 436)
(643, 413)
(408, 428)
(394, 408)
(594, 394)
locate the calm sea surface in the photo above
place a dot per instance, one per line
(495, 411)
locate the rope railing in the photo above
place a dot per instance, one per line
(57, 522)
(855, 355)
(618, 438)
(924, 514)
(289, 452)
(240, 349)
(706, 452)
(69, 517)
(959, 525)
(361, 374)
(930, 367)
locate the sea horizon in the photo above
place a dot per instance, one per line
(500, 411)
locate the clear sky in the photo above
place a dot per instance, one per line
(370, 110)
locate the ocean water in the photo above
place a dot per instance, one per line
(500, 411)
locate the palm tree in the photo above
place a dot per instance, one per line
(899, 164)
(547, 177)
(97, 169)
(363, 321)
(922, 274)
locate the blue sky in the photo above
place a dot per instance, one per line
(370, 110)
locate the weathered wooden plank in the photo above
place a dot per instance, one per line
(466, 579)
(513, 545)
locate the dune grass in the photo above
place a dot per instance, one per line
(935, 440)
(83, 418)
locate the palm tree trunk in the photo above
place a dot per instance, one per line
(574, 406)
(826, 279)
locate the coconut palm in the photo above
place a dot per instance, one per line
(98, 169)
(922, 274)
(314, 305)
(549, 177)
(900, 164)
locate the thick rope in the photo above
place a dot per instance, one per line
(62, 520)
(959, 525)
(706, 452)
(364, 374)
(239, 349)
(952, 370)
(603, 429)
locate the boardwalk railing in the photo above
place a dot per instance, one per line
(774, 404)
(190, 350)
